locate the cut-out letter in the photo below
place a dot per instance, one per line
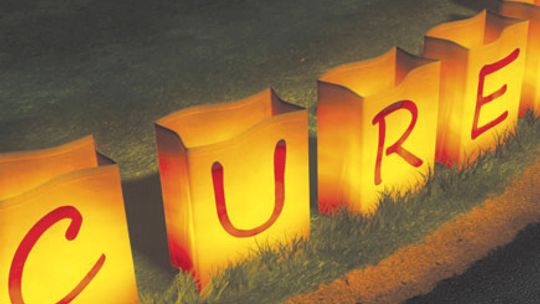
(482, 100)
(280, 154)
(397, 147)
(30, 240)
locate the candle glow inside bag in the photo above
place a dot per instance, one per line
(63, 228)
(234, 176)
(377, 124)
(529, 10)
(482, 68)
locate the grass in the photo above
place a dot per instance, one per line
(346, 241)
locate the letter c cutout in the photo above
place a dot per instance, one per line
(280, 154)
(30, 240)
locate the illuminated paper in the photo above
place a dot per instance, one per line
(233, 175)
(63, 228)
(529, 10)
(377, 124)
(482, 67)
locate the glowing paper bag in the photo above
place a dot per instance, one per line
(63, 228)
(232, 175)
(482, 66)
(529, 10)
(377, 124)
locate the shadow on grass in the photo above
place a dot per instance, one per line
(144, 209)
(313, 189)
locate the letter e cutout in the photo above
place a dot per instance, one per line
(482, 100)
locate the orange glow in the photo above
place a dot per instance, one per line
(377, 124)
(482, 67)
(63, 228)
(232, 175)
(529, 10)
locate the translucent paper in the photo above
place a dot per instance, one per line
(233, 175)
(482, 67)
(63, 228)
(377, 123)
(529, 10)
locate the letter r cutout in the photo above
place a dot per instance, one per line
(280, 153)
(397, 148)
(482, 100)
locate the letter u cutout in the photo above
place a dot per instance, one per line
(280, 154)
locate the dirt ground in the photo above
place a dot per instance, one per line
(449, 251)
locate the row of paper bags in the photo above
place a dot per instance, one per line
(236, 174)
